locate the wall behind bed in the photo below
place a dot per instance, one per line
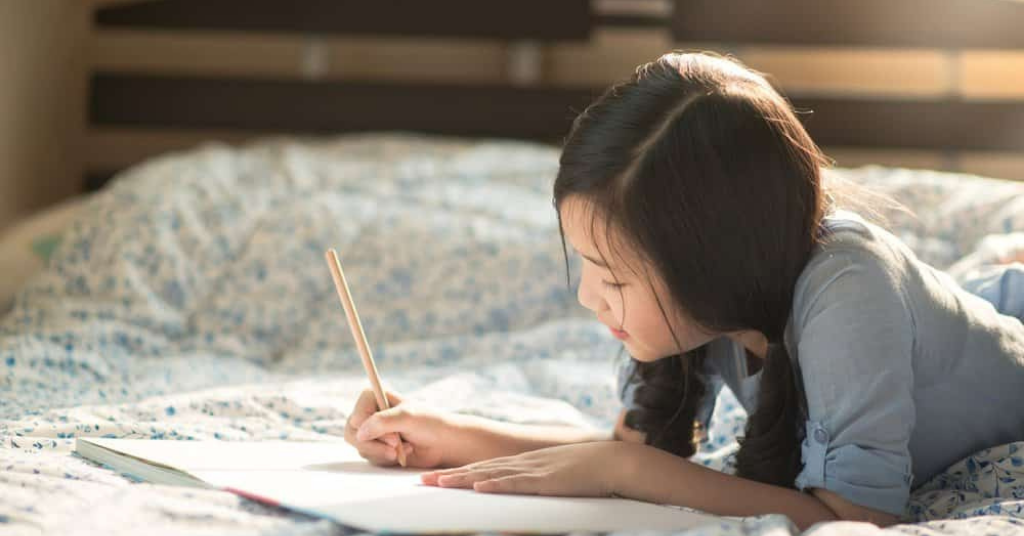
(620, 34)
(44, 68)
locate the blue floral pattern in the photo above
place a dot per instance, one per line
(190, 301)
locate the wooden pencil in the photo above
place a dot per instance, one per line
(360, 337)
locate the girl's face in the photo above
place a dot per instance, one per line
(624, 293)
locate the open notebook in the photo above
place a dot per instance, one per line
(331, 481)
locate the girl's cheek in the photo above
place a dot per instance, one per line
(615, 304)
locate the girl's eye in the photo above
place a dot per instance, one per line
(609, 284)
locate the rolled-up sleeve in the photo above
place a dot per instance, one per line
(855, 348)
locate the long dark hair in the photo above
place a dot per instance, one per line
(703, 167)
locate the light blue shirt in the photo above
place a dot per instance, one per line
(903, 371)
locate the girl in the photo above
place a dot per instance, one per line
(714, 251)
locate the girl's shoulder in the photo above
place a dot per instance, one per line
(849, 241)
(846, 231)
(856, 265)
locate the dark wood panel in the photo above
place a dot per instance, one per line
(319, 107)
(521, 19)
(94, 179)
(898, 23)
(939, 124)
(631, 20)
(528, 113)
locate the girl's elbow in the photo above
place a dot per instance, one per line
(844, 510)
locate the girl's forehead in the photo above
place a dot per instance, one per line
(582, 224)
(591, 234)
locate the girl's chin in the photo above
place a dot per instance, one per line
(645, 356)
(641, 355)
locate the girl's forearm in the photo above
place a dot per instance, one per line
(653, 475)
(486, 438)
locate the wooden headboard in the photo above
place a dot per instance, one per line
(529, 47)
(944, 122)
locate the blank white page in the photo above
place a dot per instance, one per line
(330, 480)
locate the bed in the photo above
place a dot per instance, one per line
(187, 299)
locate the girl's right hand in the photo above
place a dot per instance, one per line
(428, 436)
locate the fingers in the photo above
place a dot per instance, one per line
(468, 479)
(465, 477)
(516, 484)
(390, 421)
(493, 463)
(366, 405)
(502, 480)
(380, 449)
(431, 478)
(378, 453)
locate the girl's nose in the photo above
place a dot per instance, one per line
(590, 300)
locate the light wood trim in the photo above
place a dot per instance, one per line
(612, 54)
(417, 59)
(992, 164)
(198, 53)
(842, 71)
(916, 159)
(995, 74)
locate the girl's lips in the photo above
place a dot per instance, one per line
(618, 334)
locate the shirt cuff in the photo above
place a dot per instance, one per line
(869, 477)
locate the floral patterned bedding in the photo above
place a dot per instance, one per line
(190, 300)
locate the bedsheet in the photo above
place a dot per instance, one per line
(190, 300)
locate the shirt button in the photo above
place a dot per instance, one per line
(821, 436)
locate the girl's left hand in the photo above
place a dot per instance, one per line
(578, 470)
